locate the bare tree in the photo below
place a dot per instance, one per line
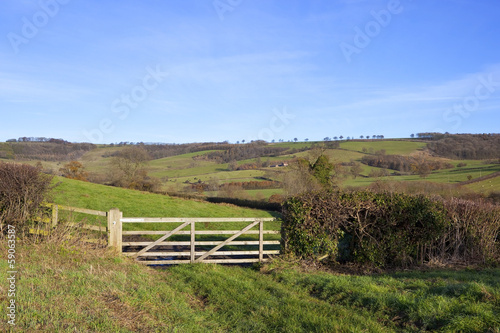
(128, 167)
(356, 169)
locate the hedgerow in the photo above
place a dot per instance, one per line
(390, 229)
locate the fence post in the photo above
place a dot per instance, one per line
(115, 229)
(55, 214)
(261, 240)
(193, 238)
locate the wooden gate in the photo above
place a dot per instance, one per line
(193, 250)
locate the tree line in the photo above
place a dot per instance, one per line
(404, 163)
(47, 150)
(467, 146)
(243, 152)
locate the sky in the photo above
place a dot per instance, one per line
(180, 71)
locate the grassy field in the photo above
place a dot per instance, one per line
(390, 147)
(66, 288)
(135, 203)
(486, 186)
(143, 204)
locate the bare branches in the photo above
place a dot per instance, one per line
(22, 189)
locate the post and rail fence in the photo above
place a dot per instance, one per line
(182, 251)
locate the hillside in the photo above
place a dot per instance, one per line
(135, 203)
(204, 168)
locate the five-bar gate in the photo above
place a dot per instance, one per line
(165, 251)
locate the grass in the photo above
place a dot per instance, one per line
(141, 204)
(452, 176)
(391, 147)
(449, 301)
(68, 288)
(486, 186)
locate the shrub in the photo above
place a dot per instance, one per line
(74, 170)
(390, 229)
(23, 188)
(473, 234)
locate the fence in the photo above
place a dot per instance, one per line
(54, 218)
(181, 251)
(174, 250)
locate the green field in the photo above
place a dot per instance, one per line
(143, 204)
(486, 186)
(390, 147)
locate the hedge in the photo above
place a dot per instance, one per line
(390, 229)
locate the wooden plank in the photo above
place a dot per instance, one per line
(261, 240)
(193, 239)
(115, 229)
(251, 225)
(201, 232)
(163, 262)
(208, 261)
(83, 210)
(233, 261)
(187, 243)
(192, 219)
(159, 240)
(199, 253)
(55, 215)
(86, 226)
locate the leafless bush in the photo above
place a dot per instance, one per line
(23, 188)
(473, 235)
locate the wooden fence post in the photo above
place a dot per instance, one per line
(261, 240)
(55, 214)
(193, 238)
(115, 229)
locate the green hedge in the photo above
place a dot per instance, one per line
(390, 229)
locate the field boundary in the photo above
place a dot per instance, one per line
(53, 220)
(480, 179)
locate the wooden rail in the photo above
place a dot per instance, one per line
(54, 220)
(185, 251)
(189, 253)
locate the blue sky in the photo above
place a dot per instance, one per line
(212, 70)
